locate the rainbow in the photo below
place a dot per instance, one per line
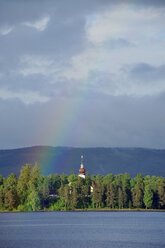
(60, 132)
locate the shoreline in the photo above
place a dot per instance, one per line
(88, 210)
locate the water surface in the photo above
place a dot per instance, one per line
(82, 229)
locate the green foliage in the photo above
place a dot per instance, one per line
(1, 180)
(23, 183)
(34, 178)
(73, 178)
(64, 179)
(148, 196)
(10, 199)
(97, 195)
(120, 198)
(34, 200)
(1, 196)
(108, 179)
(44, 191)
(111, 195)
(137, 196)
(10, 192)
(23, 208)
(54, 182)
(99, 179)
(161, 193)
(87, 179)
(31, 191)
(67, 196)
(59, 205)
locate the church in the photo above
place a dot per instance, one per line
(82, 174)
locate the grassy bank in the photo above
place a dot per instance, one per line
(90, 210)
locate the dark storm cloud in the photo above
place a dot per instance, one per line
(61, 36)
(123, 122)
(14, 12)
(54, 76)
(18, 124)
(148, 73)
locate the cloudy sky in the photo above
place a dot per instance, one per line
(82, 73)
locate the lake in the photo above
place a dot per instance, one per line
(82, 229)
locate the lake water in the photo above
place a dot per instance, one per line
(82, 229)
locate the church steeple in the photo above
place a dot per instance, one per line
(82, 170)
(82, 166)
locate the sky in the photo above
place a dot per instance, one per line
(82, 73)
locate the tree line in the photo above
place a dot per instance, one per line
(32, 191)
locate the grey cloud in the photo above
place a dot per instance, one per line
(13, 12)
(105, 121)
(148, 73)
(16, 11)
(117, 43)
(95, 118)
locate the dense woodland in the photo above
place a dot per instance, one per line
(31, 191)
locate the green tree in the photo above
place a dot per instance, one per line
(54, 182)
(126, 196)
(126, 189)
(34, 178)
(148, 196)
(61, 191)
(80, 184)
(111, 195)
(137, 196)
(120, 198)
(23, 181)
(97, 195)
(1, 196)
(1, 180)
(161, 194)
(45, 191)
(34, 200)
(99, 179)
(67, 196)
(87, 179)
(74, 197)
(73, 178)
(64, 179)
(10, 191)
(10, 201)
(108, 179)
(85, 195)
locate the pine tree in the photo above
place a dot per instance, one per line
(34, 178)
(23, 181)
(10, 191)
(148, 196)
(161, 194)
(1, 196)
(111, 195)
(74, 198)
(97, 195)
(120, 198)
(64, 179)
(84, 195)
(67, 196)
(137, 196)
(34, 200)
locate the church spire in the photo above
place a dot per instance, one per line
(82, 170)
(82, 166)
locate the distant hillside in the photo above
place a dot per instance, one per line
(96, 160)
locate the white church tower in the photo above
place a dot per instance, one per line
(82, 170)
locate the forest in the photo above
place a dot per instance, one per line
(32, 191)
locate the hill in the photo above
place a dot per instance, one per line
(96, 160)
